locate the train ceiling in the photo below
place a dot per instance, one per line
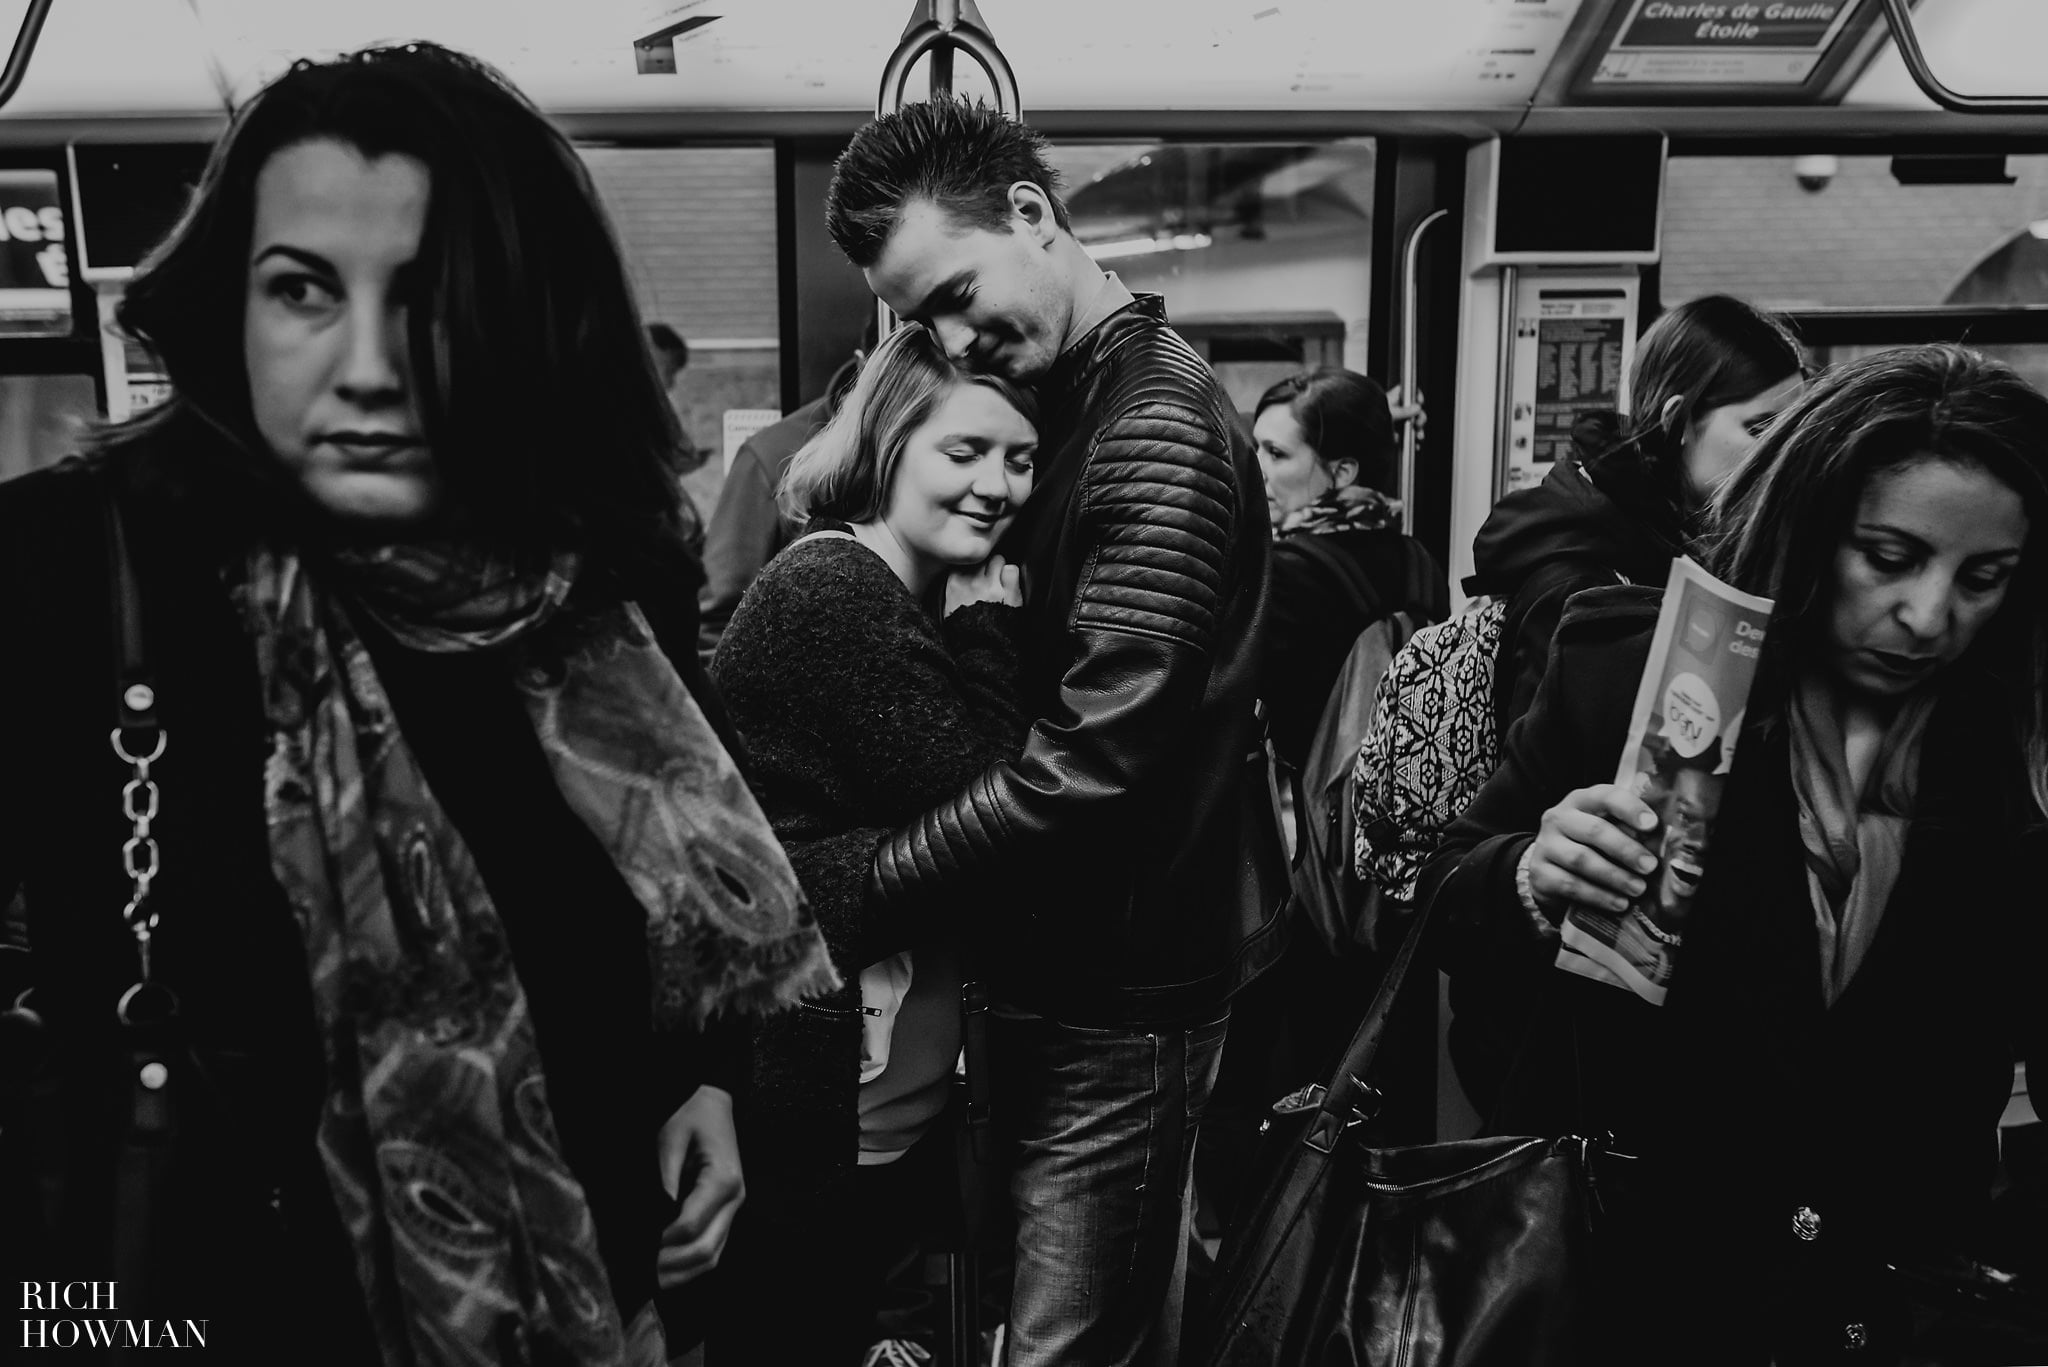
(737, 63)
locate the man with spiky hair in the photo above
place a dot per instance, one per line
(1117, 882)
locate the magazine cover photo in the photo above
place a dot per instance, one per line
(1687, 717)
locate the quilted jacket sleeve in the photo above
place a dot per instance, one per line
(1157, 513)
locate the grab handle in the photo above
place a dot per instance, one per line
(940, 27)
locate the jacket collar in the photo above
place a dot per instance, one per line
(1144, 313)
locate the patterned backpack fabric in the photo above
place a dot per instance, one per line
(1432, 742)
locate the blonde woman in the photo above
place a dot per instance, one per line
(872, 670)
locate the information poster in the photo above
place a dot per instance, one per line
(35, 277)
(741, 423)
(1722, 42)
(1574, 342)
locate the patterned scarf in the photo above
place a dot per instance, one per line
(1855, 842)
(474, 1242)
(1353, 508)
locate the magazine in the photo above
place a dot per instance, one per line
(1681, 746)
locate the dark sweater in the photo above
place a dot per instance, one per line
(258, 1244)
(860, 709)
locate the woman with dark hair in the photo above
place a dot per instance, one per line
(458, 886)
(1816, 1103)
(1326, 445)
(872, 669)
(1340, 562)
(1709, 377)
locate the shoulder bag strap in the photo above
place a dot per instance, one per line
(137, 736)
(1348, 1097)
(135, 686)
(829, 534)
(148, 1011)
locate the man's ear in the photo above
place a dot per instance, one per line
(1032, 206)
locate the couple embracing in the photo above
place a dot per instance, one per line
(1000, 699)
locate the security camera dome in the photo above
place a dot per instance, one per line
(1814, 173)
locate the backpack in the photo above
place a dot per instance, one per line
(1433, 741)
(1335, 905)
(1332, 903)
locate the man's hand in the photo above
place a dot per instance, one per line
(700, 1146)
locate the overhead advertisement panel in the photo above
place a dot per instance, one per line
(1782, 48)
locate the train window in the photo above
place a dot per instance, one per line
(2030, 359)
(1831, 232)
(1262, 250)
(41, 417)
(698, 228)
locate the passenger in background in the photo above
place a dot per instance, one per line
(1326, 445)
(1818, 1096)
(463, 905)
(748, 527)
(1709, 377)
(873, 670)
(671, 359)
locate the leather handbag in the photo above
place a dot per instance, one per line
(1464, 1254)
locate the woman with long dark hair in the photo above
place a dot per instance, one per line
(458, 883)
(1709, 377)
(1815, 1105)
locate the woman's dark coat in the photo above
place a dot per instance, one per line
(1583, 527)
(860, 709)
(1315, 613)
(257, 1247)
(1749, 1099)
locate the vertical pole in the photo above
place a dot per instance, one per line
(1504, 380)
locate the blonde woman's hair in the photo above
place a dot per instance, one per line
(844, 472)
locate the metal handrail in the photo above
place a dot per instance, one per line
(939, 27)
(1899, 19)
(24, 48)
(1411, 365)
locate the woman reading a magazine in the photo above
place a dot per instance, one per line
(1818, 1095)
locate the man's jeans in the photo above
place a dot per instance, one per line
(1098, 1126)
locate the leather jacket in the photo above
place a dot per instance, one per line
(1125, 870)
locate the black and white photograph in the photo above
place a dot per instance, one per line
(1024, 683)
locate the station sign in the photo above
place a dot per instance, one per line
(1762, 48)
(35, 271)
(1749, 42)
